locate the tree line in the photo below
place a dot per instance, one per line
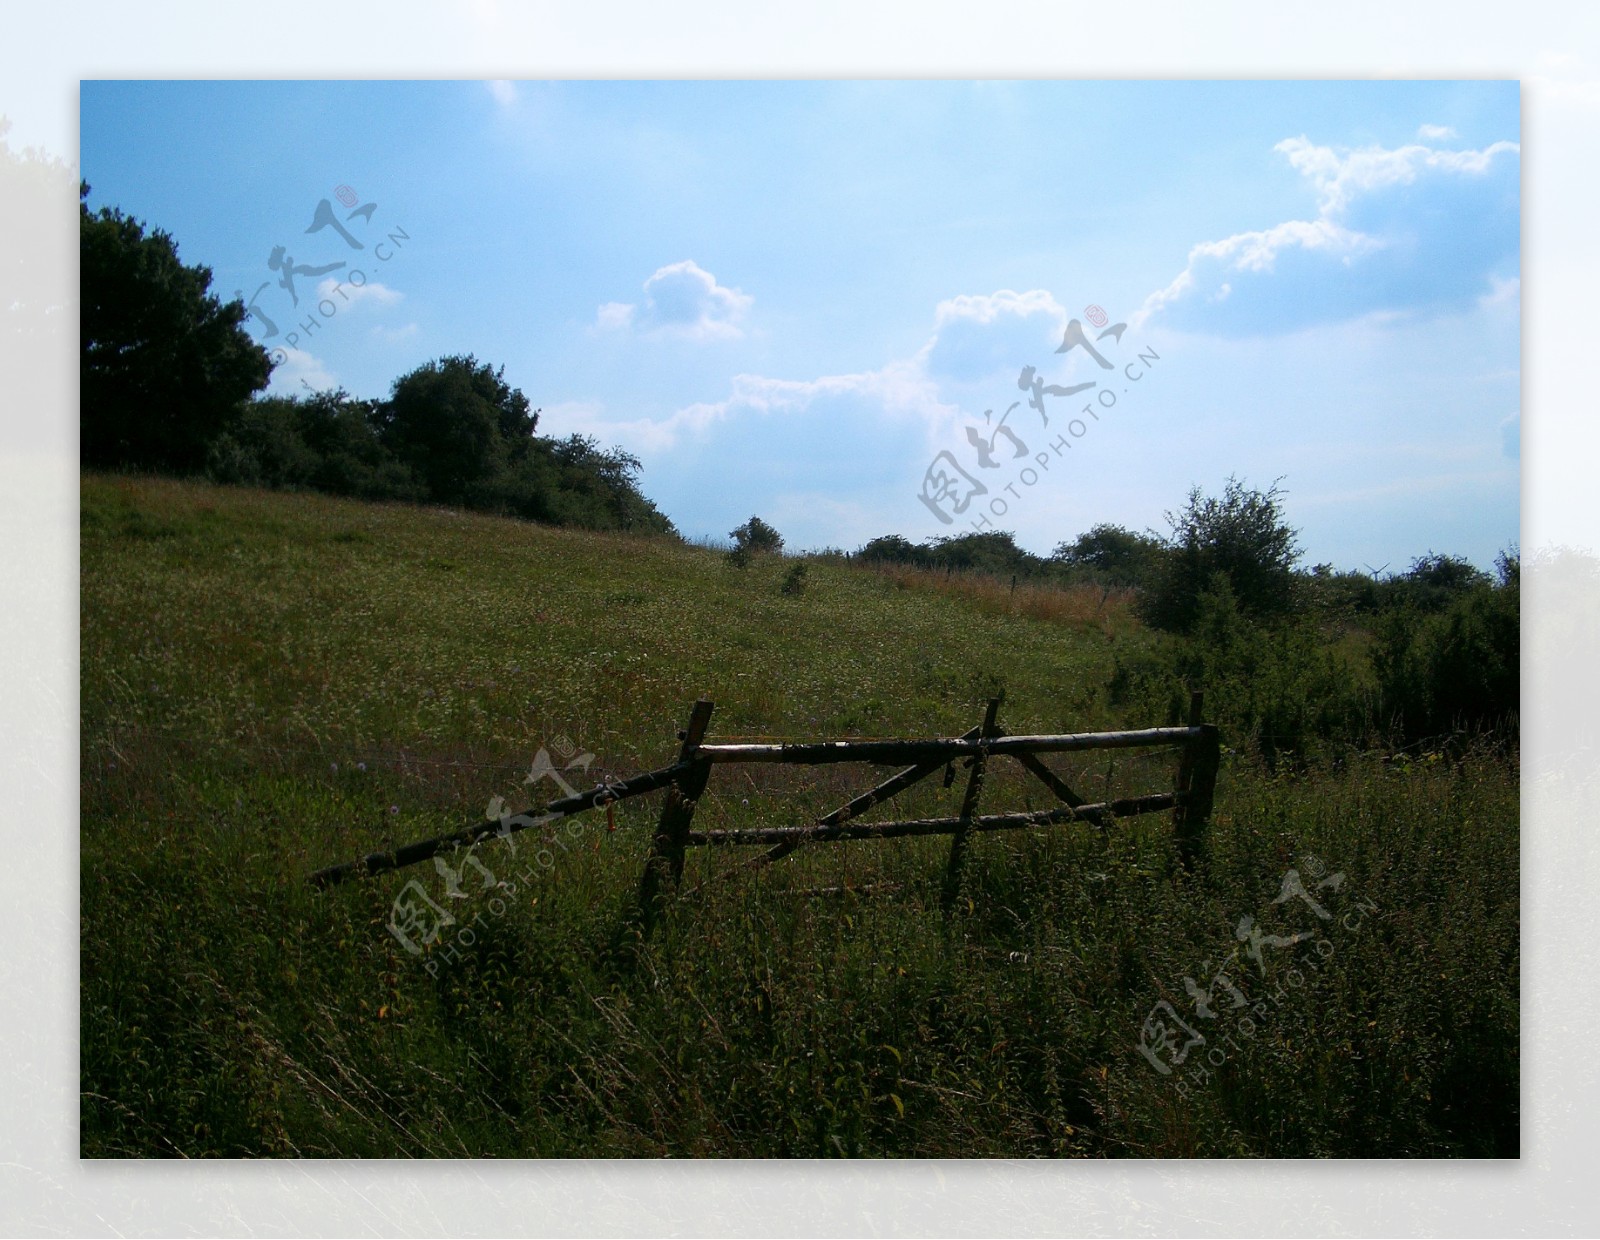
(1298, 655)
(170, 382)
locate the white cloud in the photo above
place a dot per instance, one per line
(1253, 252)
(298, 371)
(979, 335)
(1342, 178)
(682, 299)
(987, 307)
(1395, 242)
(614, 315)
(393, 335)
(344, 294)
(1435, 133)
(899, 389)
(504, 92)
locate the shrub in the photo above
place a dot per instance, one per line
(1243, 536)
(1110, 555)
(1453, 670)
(757, 536)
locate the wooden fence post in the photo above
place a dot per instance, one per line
(664, 869)
(1196, 786)
(969, 810)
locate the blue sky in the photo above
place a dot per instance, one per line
(796, 298)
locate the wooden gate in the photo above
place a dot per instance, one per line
(686, 779)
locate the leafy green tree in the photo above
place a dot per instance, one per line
(458, 426)
(1243, 535)
(1434, 582)
(995, 553)
(755, 535)
(1112, 555)
(892, 549)
(164, 365)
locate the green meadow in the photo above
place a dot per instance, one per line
(275, 682)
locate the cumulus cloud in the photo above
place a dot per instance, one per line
(1341, 178)
(1396, 231)
(868, 433)
(978, 346)
(978, 336)
(299, 371)
(681, 299)
(345, 295)
(900, 389)
(1435, 133)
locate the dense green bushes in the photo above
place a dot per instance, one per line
(453, 432)
(1424, 668)
(1452, 666)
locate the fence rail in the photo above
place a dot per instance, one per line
(685, 780)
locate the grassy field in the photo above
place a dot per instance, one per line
(272, 683)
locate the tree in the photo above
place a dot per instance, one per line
(1243, 536)
(458, 426)
(1112, 555)
(1434, 582)
(756, 535)
(164, 365)
(891, 549)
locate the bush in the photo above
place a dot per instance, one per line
(1110, 555)
(1279, 692)
(755, 535)
(1243, 536)
(1456, 670)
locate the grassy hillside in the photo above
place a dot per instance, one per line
(272, 683)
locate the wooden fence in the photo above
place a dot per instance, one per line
(685, 780)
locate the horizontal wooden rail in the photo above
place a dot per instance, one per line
(600, 794)
(816, 753)
(1126, 807)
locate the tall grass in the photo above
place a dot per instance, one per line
(1082, 606)
(271, 683)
